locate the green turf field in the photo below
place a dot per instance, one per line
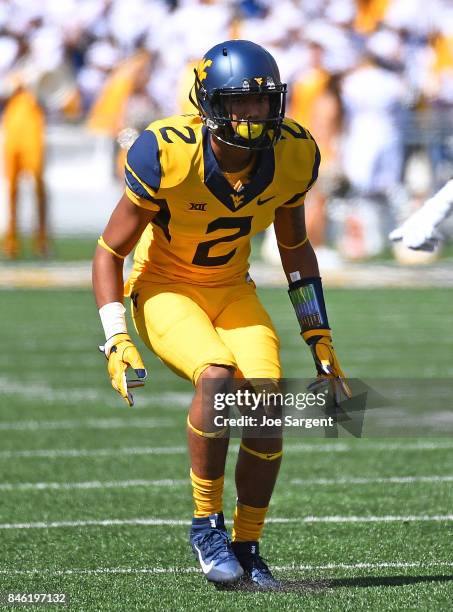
(61, 249)
(94, 497)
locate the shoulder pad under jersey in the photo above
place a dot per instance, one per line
(177, 139)
(299, 155)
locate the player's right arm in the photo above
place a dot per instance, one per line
(122, 232)
(125, 226)
(418, 232)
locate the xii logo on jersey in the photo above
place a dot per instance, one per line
(200, 206)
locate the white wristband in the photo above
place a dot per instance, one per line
(113, 319)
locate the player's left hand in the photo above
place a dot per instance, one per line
(122, 353)
(327, 364)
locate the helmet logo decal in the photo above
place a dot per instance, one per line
(201, 69)
(259, 80)
(270, 83)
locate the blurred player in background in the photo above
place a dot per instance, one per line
(124, 107)
(36, 82)
(419, 231)
(198, 187)
(24, 126)
(373, 94)
(315, 103)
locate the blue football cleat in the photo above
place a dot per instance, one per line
(255, 569)
(212, 546)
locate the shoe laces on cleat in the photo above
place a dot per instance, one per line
(211, 538)
(215, 544)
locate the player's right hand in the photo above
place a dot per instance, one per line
(121, 353)
(416, 233)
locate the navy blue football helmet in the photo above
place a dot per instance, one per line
(239, 68)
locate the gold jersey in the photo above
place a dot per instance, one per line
(203, 226)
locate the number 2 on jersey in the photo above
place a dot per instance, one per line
(202, 257)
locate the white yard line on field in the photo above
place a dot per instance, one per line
(158, 522)
(195, 570)
(364, 444)
(331, 447)
(108, 423)
(365, 481)
(91, 484)
(41, 391)
(169, 482)
(97, 452)
(150, 450)
(44, 392)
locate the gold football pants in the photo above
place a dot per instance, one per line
(190, 328)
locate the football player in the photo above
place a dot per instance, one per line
(24, 127)
(198, 187)
(418, 232)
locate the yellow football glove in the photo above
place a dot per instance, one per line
(121, 353)
(327, 365)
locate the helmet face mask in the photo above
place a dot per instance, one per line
(229, 71)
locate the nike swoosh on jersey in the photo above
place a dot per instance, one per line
(261, 202)
(206, 567)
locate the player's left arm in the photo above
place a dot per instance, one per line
(306, 293)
